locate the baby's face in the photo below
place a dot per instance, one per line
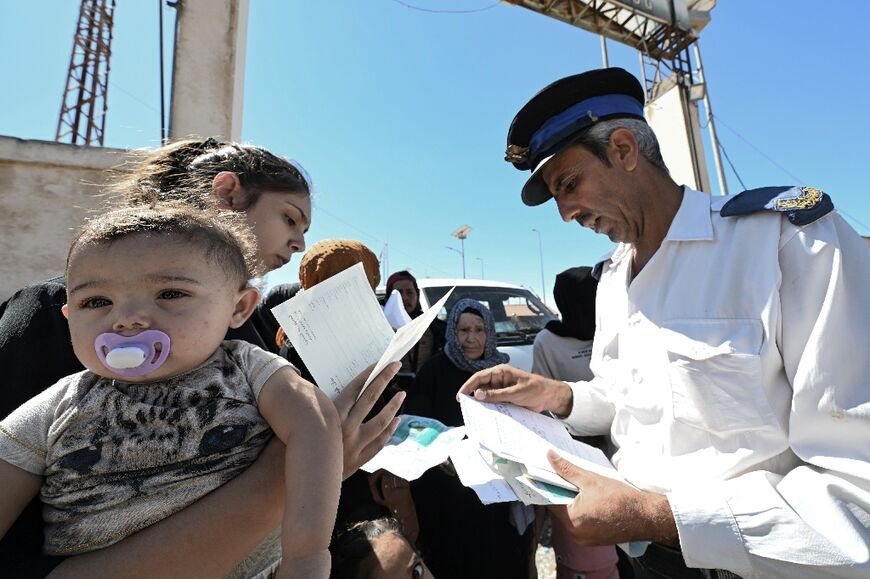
(143, 283)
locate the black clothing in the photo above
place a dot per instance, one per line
(460, 537)
(36, 352)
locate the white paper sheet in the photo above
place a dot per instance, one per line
(417, 445)
(338, 328)
(525, 437)
(395, 311)
(475, 473)
(406, 337)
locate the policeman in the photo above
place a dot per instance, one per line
(729, 355)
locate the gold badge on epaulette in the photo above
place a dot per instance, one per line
(808, 198)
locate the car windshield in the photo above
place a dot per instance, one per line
(519, 315)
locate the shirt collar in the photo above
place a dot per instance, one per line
(692, 221)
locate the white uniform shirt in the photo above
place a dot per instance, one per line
(732, 373)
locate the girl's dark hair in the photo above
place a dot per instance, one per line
(351, 549)
(184, 170)
(224, 236)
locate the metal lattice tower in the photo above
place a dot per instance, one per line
(83, 110)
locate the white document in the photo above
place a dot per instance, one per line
(395, 311)
(475, 473)
(417, 445)
(339, 329)
(523, 436)
(406, 337)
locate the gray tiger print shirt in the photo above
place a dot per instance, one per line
(119, 456)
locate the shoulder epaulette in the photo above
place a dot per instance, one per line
(802, 205)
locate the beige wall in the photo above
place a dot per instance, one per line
(46, 190)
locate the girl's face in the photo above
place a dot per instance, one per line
(143, 283)
(395, 558)
(471, 335)
(279, 220)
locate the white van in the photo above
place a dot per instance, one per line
(519, 314)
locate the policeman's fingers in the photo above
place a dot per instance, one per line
(568, 471)
(495, 377)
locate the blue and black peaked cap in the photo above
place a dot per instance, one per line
(560, 113)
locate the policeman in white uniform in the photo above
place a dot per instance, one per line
(730, 354)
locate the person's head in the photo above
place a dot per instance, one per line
(274, 193)
(470, 335)
(331, 256)
(167, 268)
(406, 285)
(376, 550)
(574, 292)
(587, 144)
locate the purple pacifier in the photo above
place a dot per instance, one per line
(132, 355)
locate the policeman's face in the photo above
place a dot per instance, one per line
(604, 199)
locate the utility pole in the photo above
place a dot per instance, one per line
(461, 234)
(541, 255)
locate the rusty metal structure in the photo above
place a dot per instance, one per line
(83, 110)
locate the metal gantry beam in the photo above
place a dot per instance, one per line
(83, 109)
(653, 27)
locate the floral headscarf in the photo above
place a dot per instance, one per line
(453, 350)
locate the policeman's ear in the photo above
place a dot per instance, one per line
(64, 309)
(623, 151)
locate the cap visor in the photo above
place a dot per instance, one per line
(535, 191)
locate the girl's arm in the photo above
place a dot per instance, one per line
(308, 424)
(19, 487)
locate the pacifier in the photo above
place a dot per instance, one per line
(132, 355)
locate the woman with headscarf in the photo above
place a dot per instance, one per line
(562, 351)
(460, 537)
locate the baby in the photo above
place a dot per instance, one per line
(167, 410)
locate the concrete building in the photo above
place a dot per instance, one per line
(46, 191)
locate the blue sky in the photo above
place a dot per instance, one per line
(400, 115)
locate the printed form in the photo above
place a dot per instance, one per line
(339, 329)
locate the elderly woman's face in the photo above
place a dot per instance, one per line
(471, 335)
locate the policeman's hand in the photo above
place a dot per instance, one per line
(505, 383)
(361, 440)
(607, 511)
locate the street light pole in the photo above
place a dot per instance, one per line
(463, 258)
(461, 234)
(541, 256)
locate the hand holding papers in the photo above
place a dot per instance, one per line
(339, 329)
(524, 436)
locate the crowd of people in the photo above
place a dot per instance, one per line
(156, 420)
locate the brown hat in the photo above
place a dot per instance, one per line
(331, 256)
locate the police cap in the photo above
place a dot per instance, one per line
(560, 113)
